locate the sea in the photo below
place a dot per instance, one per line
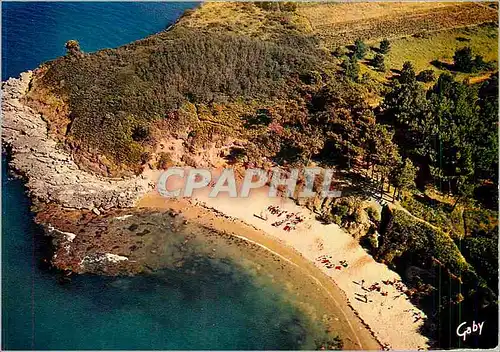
(215, 309)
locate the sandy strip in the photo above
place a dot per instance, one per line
(390, 318)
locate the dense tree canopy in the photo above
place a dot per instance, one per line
(450, 129)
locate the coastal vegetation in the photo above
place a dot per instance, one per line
(435, 50)
(408, 124)
(113, 94)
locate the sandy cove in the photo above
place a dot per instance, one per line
(391, 318)
(53, 176)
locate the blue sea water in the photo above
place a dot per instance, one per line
(34, 32)
(166, 310)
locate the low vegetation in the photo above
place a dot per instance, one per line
(435, 50)
(113, 94)
(436, 213)
(342, 24)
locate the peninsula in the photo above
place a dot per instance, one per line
(400, 99)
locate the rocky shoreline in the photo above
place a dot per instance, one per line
(72, 205)
(96, 226)
(50, 172)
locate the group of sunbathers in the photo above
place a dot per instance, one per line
(290, 220)
(326, 260)
(376, 287)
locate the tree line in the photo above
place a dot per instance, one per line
(449, 131)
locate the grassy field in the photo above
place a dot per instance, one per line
(341, 24)
(323, 15)
(423, 49)
(245, 19)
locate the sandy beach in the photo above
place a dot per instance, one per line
(326, 252)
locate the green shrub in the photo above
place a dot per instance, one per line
(385, 46)
(463, 59)
(288, 6)
(351, 67)
(373, 214)
(437, 214)
(482, 253)
(360, 49)
(426, 76)
(405, 235)
(141, 133)
(379, 62)
(480, 222)
(164, 161)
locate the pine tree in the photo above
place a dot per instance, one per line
(407, 75)
(351, 67)
(378, 62)
(385, 46)
(403, 177)
(360, 49)
(426, 76)
(463, 59)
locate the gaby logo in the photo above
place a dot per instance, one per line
(196, 178)
(463, 331)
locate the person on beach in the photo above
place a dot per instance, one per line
(365, 297)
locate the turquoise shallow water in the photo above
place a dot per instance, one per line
(217, 308)
(220, 307)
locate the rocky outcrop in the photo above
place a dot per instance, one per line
(119, 242)
(50, 172)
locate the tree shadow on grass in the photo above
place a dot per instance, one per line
(443, 65)
(433, 203)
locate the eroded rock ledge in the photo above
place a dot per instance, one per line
(76, 208)
(51, 174)
(119, 242)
